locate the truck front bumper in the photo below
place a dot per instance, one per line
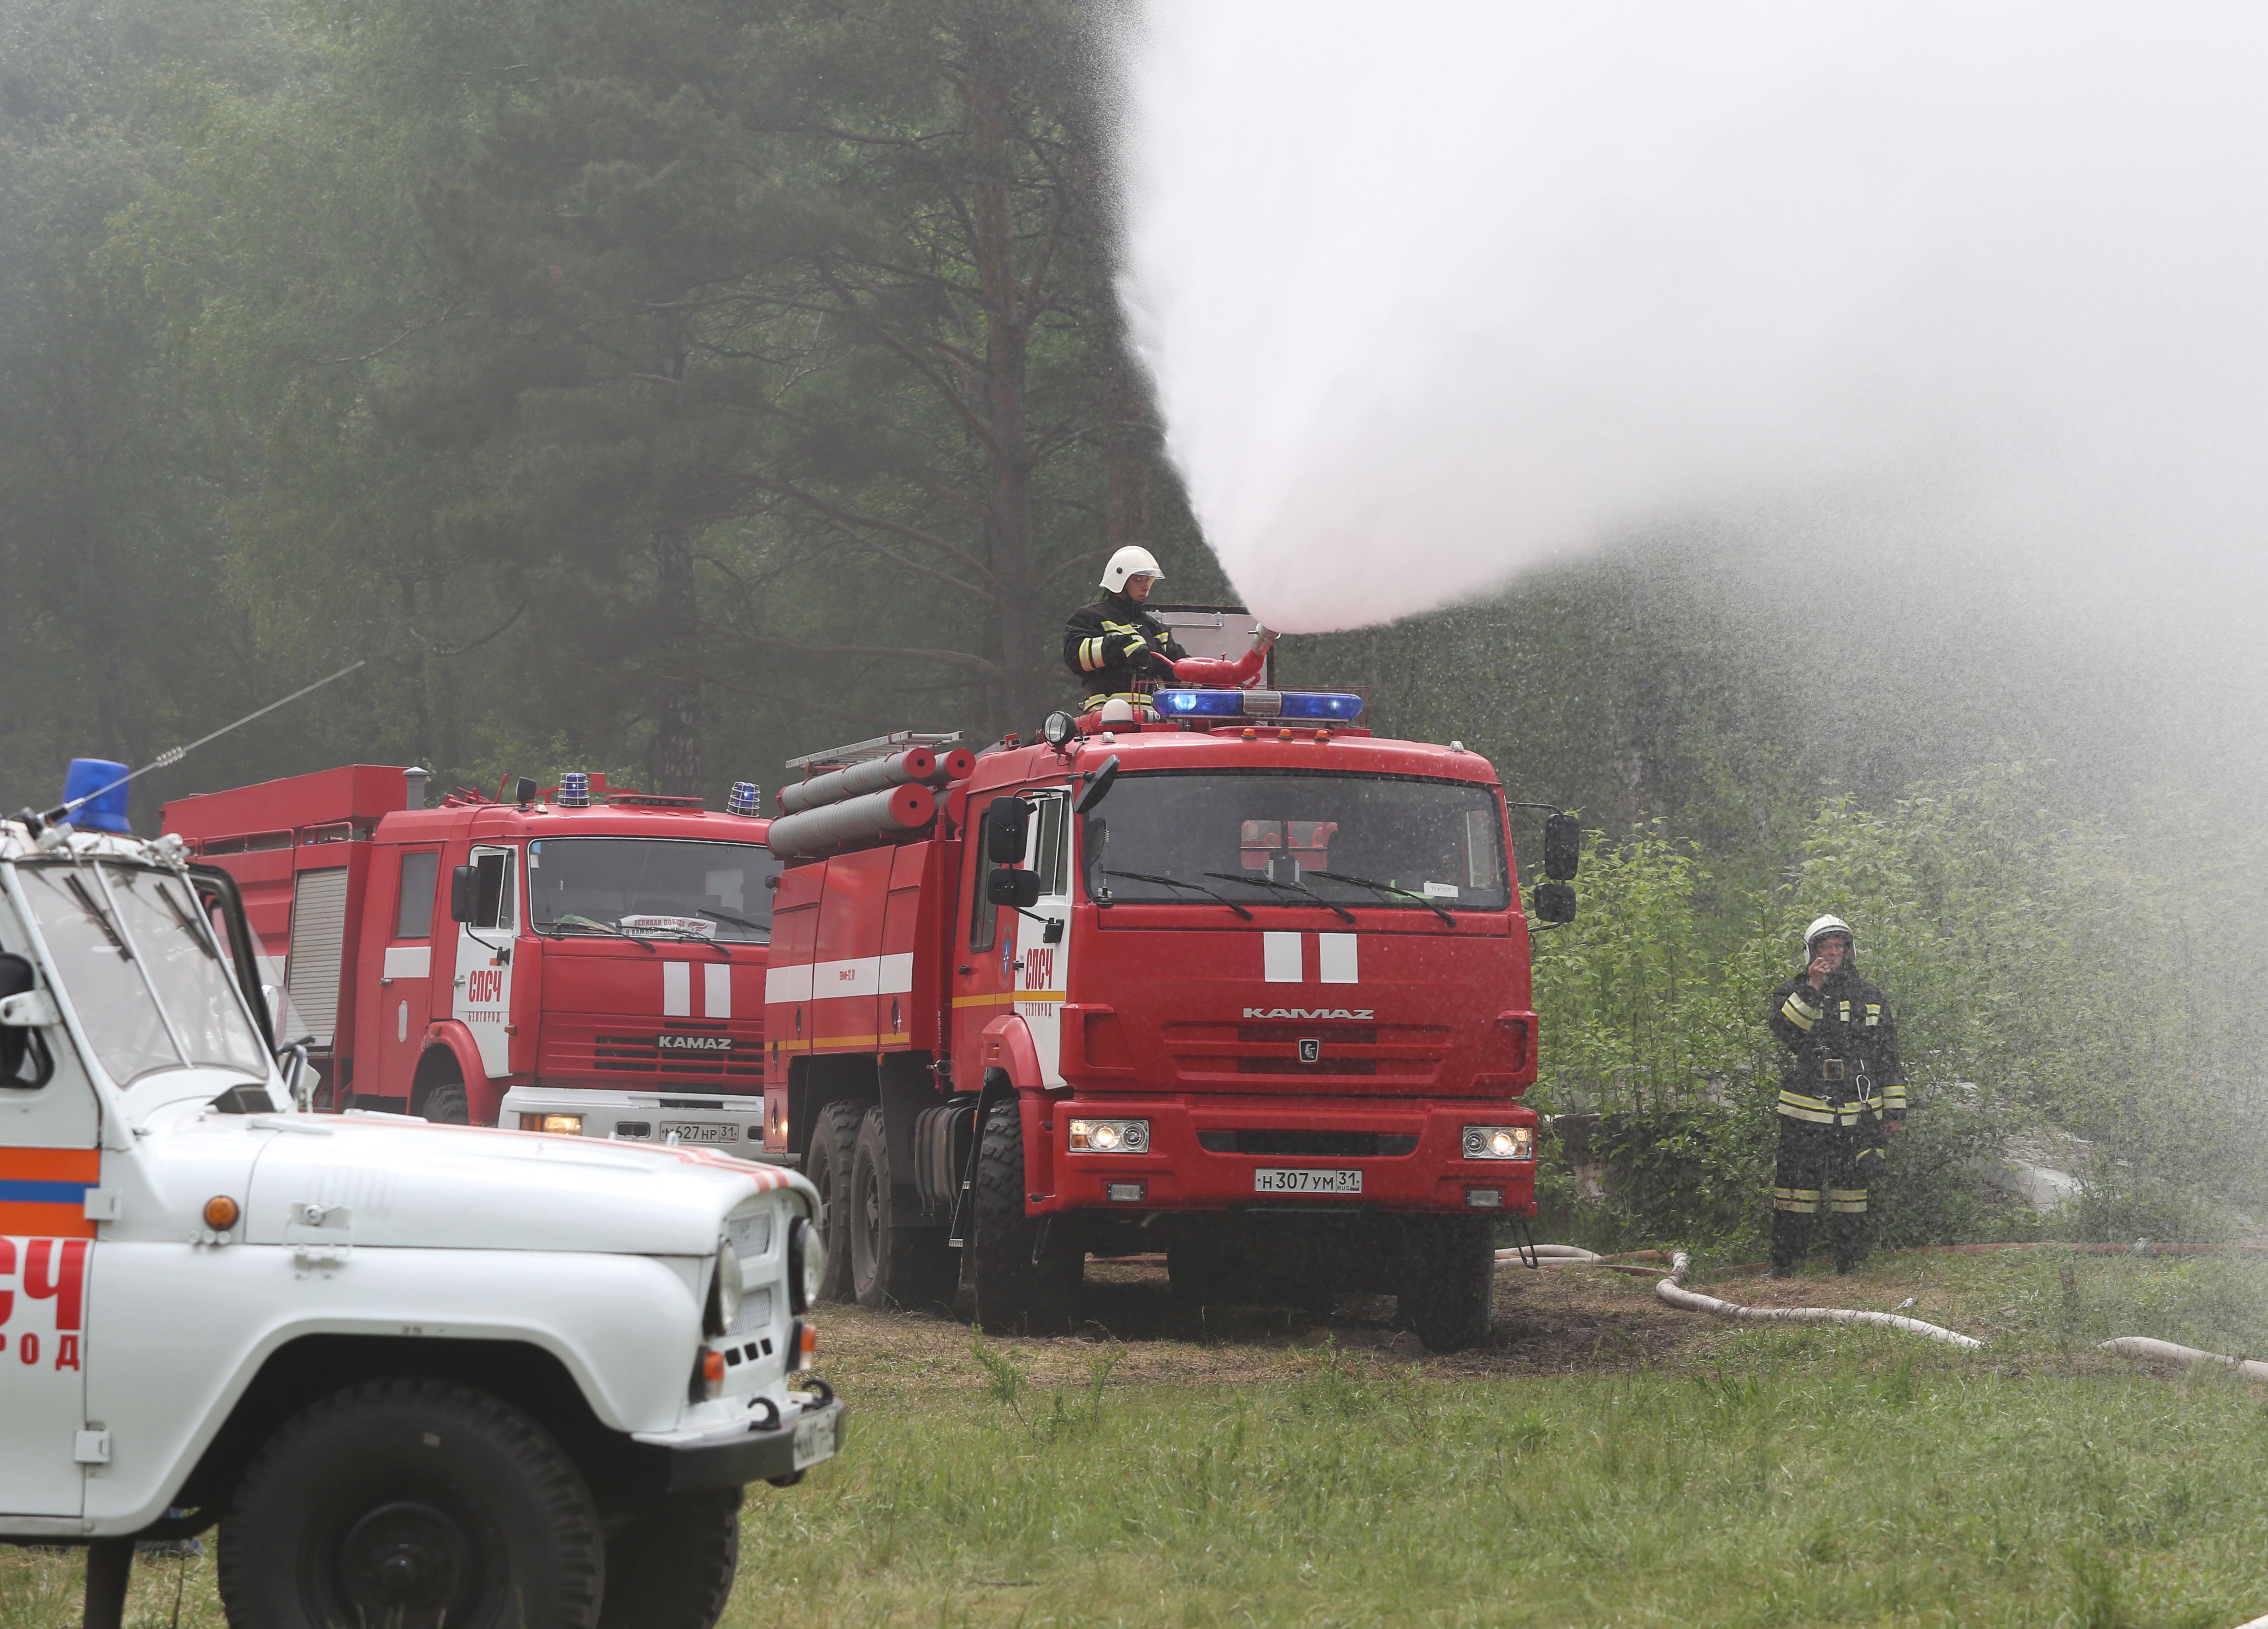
(810, 1430)
(730, 1124)
(1206, 1155)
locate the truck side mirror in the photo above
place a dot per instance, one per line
(1555, 902)
(523, 792)
(1007, 828)
(1097, 780)
(1007, 886)
(1563, 848)
(464, 881)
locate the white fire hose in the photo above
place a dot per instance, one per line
(2166, 1352)
(1672, 1289)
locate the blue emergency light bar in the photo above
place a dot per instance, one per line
(1304, 706)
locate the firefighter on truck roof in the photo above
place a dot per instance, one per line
(1842, 1098)
(1109, 645)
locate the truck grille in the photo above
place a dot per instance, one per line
(628, 1053)
(1392, 1057)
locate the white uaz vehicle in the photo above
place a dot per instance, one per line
(428, 1376)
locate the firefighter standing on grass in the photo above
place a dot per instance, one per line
(1843, 1097)
(1107, 645)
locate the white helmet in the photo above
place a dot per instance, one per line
(1128, 562)
(1823, 927)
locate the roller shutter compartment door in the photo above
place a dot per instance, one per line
(319, 932)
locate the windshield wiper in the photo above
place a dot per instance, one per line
(684, 933)
(1258, 879)
(593, 926)
(101, 917)
(188, 923)
(727, 916)
(1427, 900)
(1176, 882)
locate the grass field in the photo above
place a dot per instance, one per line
(1606, 1460)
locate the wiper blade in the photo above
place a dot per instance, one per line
(1259, 880)
(591, 924)
(727, 916)
(101, 917)
(1427, 900)
(1177, 882)
(188, 923)
(683, 932)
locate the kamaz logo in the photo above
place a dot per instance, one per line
(693, 1043)
(1351, 1012)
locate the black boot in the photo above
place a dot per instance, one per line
(1791, 1237)
(1852, 1240)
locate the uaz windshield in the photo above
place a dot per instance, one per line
(651, 885)
(142, 970)
(1266, 837)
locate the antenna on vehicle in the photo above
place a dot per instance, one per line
(171, 755)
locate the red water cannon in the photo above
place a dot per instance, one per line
(1215, 673)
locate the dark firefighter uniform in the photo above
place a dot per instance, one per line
(1842, 1081)
(1107, 645)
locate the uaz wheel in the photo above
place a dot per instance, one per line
(419, 1504)
(671, 1565)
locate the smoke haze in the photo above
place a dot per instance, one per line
(1435, 295)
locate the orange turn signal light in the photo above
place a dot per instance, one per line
(713, 1367)
(221, 1213)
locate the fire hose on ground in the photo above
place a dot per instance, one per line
(1672, 1290)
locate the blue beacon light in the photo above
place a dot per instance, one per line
(746, 798)
(575, 789)
(106, 812)
(1311, 706)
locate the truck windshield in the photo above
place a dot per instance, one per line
(651, 885)
(1266, 837)
(144, 976)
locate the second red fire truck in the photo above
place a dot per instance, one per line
(573, 959)
(1238, 981)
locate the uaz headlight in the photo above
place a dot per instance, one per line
(725, 1294)
(1111, 1137)
(1499, 1142)
(806, 1264)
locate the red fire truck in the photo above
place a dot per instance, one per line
(571, 959)
(1238, 980)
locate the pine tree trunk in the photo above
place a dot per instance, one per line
(676, 752)
(1024, 688)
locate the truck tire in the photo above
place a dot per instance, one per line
(1027, 1271)
(834, 1144)
(910, 1269)
(672, 1566)
(446, 1103)
(1451, 1282)
(416, 1503)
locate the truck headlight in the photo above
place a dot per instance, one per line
(1499, 1142)
(806, 1264)
(1111, 1137)
(558, 1125)
(725, 1294)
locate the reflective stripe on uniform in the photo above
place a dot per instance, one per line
(1798, 1201)
(1874, 1014)
(1090, 654)
(1847, 1201)
(1796, 1106)
(1802, 1015)
(1132, 698)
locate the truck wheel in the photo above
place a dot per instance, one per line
(909, 1268)
(416, 1503)
(834, 1142)
(1452, 1285)
(446, 1104)
(672, 1566)
(1028, 1268)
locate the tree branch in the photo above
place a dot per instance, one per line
(951, 659)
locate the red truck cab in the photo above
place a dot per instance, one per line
(1252, 990)
(596, 969)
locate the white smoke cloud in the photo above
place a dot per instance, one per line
(1434, 293)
